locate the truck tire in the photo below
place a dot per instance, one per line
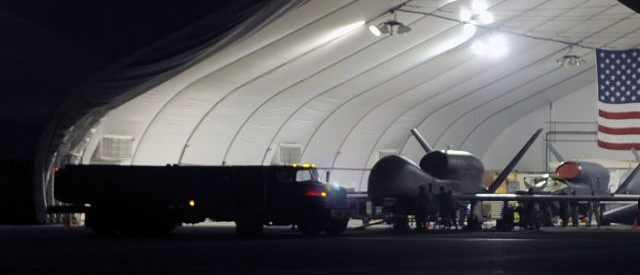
(248, 224)
(101, 221)
(147, 220)
(310, 229)
(134, 223)
(336, 226)
(163, 224)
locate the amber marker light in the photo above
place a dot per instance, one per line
(192, 203)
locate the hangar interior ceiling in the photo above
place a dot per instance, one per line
(317, 86)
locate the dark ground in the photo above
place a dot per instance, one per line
(215, 250)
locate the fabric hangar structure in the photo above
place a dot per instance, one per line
(275, 82)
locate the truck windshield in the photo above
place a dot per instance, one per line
(306, 175)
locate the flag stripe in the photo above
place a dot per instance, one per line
(618, 108)
(623, 115)
(618, 123)
(619, 131)
(630, 138)
(618, 146)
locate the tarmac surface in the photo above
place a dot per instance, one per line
(376, 250)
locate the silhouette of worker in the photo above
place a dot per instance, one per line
(531, 212)
(574, 204)
(453, 205)
(446, 207)
(594, 209)
(564, 210)
(507, 218)
(442, 205)
(422, 209)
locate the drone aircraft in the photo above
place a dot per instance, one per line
(592, 178)
(589, 182)
(394, 180)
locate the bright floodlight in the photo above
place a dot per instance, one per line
(375, 30)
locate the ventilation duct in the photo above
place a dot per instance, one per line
(288, 153)
(116, 147)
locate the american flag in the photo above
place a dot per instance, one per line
(618, 99)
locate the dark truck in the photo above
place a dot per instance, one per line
(156, 199)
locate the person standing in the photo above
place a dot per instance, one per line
(594, 210)
(422, 209)
(443, 207)
(564, 210)
(574, 204)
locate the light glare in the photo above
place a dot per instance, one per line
(341, 31)
(465, 15)
(467, 32)
(479, 6)
(479, 47)
(485, 18)
(495, 46)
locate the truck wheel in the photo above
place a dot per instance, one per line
(310, 228)
(337, 226)
(248, 225)
(104, 230)
(163, 222)
(162, 228)
(135, 224)
(101, 221)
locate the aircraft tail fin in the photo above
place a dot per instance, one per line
(555, 152)
(512, 164)
(421, 140)
(635, 154)
(628, 180)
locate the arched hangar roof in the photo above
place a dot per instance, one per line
(316, 78)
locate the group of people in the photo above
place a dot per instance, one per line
(571, 210)
(447, 206)
(534, 214)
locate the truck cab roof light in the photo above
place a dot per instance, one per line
(303, 165)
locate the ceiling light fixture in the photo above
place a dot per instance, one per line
(570, 59)
(391, 26)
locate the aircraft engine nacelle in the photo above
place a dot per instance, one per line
(453, 165)
(396, 177)
(585, 173)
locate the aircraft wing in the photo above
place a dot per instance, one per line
(544, 198)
